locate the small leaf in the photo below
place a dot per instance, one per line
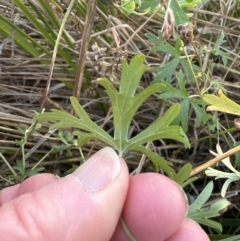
(67, 120)
(220, 41)
(184, 173)
(157, 161)
(202, 215)
(227, 183)
(127, 6)
(131, 75)
(216, 209)
(183, 115)
(202, 197)
(162, 45)
(166, 71)
(180, 16)
(202, 116)
(188, 181)
(83, 138)
(210, 223)
(187, 69)
(161, 129)
(170, 92)
(152, 4)
(35, 171)
(221, 103)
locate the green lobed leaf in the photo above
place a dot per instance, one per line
(166, 71)
(152, 4)
(121, 121)
(184, 173)
(162, 45)
(210, 223)
(188, 181)
(157, 161)
(170, 92)
(221, 103)
(125, 104)
(127, 6)
(201, 215)
(202, 116)
(179, 15)
(187, 69)
(161, 129)
(67, 120)
(83, 138)
(183, 115)
(131, 75)
(202, 197)
(214, 210)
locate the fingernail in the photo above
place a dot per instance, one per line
(186, 199)
(99, 170)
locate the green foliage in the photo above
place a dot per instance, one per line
(202, 214)
(23, 173)
(167, 70)
(187, 101)
(217, 51)
(21, 170)
(180, 92)
(127, 7)
(186, 75)
(125, 103)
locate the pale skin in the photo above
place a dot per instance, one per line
(87, 206)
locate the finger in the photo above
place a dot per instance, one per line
(36, 182)
(154, 208)
(189, 230)
(85, 205)
(8, 194)
(29, 185)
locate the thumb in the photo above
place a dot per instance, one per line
(85, 205)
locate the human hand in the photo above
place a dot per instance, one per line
(87, 205)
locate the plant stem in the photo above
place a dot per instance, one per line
(131, 238)
(8, 165)
(91, 9)
(214, 161)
